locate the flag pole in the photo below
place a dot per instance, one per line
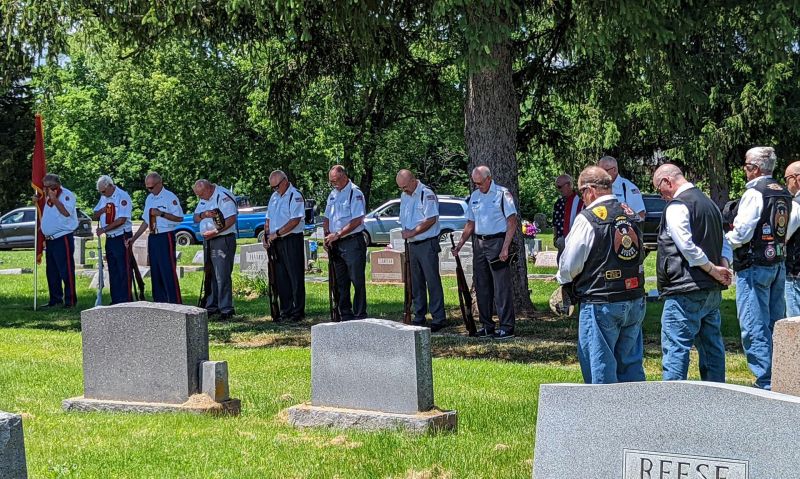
(36, 255)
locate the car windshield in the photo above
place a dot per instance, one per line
(391, 210)
(13, 218)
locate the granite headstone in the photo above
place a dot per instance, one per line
(371, 373)
(786, 357)
(253, 260)
(666, 430)
(387, 266)
(12, 447)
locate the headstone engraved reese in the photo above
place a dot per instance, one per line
(665, 430)
(12, 447)
(371, 374)
(149, 357)
(253, 260)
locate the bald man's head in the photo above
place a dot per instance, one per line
(667, 179)
(406, 181)
(792, 177)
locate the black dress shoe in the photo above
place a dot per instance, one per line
(228, 315)
(435, 328)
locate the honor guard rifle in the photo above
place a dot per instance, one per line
(464, 295)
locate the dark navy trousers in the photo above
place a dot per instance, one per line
(161, 250)
(60, 264)
(119, 268)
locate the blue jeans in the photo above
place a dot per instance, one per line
(792, 297)
(610, 345)
(760, 302)
(687, 319)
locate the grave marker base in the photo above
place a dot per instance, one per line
(198, 404)
(430, 422)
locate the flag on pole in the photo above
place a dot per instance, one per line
(39, 170)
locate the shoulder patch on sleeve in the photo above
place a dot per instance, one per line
(299, 199)
(66, 198)
(175, 202)
(431, 197)
(124, 202)
(635, 191)
(226, 199)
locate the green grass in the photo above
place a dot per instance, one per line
(494, 386)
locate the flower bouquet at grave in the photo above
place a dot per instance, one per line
(529, 229)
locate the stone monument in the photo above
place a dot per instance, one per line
(387, 266)
(139, 249)
(371, 374)
(149, 357)
(12, 447)
(253, 260)
(665, 430)
(786, 357)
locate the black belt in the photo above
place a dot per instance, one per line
(426, 239)
(488, 237)
(290, 235)
(349, 237)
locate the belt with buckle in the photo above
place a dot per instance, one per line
(488, 237)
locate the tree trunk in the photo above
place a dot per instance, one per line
(718, 182)
(491, 117)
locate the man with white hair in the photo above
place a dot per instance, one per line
(758, 238)
(283, 230)
(219, 205)
(492, 216)
(692, 268)
(114, 211)
(623, 188)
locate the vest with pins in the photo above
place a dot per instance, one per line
(768, 244)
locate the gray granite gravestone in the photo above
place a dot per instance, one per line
(144, 357)
(253, 260)
(371, 374)
(669, 430)
(12, 447)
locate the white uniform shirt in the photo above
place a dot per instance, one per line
(486, 210)
(750, 208)
(794, 218)
(421, 205)
(676, 220)
(56, 225)
(167, 202)
(628, 193)
(344, 206)
(122, 209)
(286, 207)
(223, 200)
(577, 245)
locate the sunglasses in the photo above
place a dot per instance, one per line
(750, 166)
(51, 187)
(558, 187)
(279, 184)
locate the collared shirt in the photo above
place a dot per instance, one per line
(750, 207)
(223, 200)
(577, 245)
(487, 210)
(286, 207)
(167, 202)
(628, 193)
(794, 218)
(676, 220)
(417, 207)
(56, 225)
(120, 207)
(344, 206)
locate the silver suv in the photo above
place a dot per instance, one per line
(386, 217)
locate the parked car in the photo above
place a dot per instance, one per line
(386, 217)
(249, 224)
(654, 204)
(17, 227)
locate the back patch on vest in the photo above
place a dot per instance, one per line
(626, 241)
(781, 217)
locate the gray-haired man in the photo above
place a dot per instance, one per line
(114, 210)
(758, 239)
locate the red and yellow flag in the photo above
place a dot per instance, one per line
(39, 170)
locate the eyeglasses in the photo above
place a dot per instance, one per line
(658, 186)
(786, 178)
(583, 188)
(750, 166)
(51, 187)
(608, 170)
(558, 187)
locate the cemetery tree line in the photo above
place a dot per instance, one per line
(527, 88)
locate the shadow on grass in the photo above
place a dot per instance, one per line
(541, 336)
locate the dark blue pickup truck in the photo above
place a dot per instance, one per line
(249, 224)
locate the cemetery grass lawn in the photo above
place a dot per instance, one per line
(494, 386)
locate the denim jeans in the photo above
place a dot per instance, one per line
(610, 345)
(687, 319)
(792, 297)
(760, 303)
